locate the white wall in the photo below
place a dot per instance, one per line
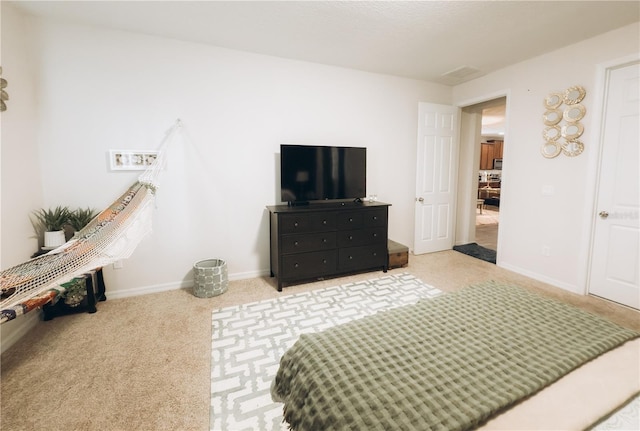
(99, 90)
(20, 179)
(530, 220)
(20, 176)
(468, 163)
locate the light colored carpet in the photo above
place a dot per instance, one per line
(144, 363)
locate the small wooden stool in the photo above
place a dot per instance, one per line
(398, 254)
(480, 203)
(95, 292)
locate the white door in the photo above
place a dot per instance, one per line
(436, 174)
(616, 251)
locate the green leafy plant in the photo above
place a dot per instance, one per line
(52, 219)
(81, 217)
(75, 291)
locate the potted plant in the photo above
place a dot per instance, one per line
(79, 218)
(52, 223)
(75, 292)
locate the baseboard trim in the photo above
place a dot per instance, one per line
(17, 329)
(536, 276)
(185, 284)
(146, 290)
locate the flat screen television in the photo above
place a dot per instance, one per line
(314, 173)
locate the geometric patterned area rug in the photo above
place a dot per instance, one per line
(627, 418)
(248, 341)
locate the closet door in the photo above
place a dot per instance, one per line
(616, 241)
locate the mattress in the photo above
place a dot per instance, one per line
(452, 362)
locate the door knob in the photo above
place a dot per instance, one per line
(420, 199)
(603, 214)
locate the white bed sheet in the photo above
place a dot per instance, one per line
(580, 399)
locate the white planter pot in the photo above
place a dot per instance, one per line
(54, 239)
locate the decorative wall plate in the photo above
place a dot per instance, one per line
(550, 149)
(551, 133)
(572, 148)
(572, 131)
(552, 117)
(553, 100)
(574, 113)
(574, 95)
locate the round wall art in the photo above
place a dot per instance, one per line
(563, 126)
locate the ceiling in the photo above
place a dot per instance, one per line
(493, 120)
(447, 42)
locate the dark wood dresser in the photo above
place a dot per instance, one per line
(327, 239)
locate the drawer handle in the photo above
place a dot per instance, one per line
(350, 237)
(375, 217)
(295, 224)
(324, 222)
(350, 219)
(324, 261)
(375, 235)
(375, 254)
(295, 265)
(295, 243)
(324, 240)
(350, 257)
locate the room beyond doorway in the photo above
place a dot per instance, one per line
(490, 172)
(487, 226)
(482, 140)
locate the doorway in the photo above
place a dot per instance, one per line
(481, 176)
(615, 249)
(490, 172)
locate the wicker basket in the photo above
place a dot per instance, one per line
(210, 278)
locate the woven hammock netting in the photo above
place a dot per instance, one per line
(111, 236)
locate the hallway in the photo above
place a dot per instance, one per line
(487, 227)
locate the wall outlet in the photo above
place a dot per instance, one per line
(546, 250)
(117, 264)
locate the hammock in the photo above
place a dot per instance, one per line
(111, 236)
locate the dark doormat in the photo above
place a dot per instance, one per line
(477, 251)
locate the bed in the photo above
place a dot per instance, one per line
(482, 356)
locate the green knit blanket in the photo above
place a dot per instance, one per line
(447, 363)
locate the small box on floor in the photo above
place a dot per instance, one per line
(398, 254)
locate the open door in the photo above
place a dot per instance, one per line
(436, 175)
(616, 237)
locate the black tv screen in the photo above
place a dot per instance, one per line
(310, 173)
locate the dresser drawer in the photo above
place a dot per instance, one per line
(299, 243)
(360, 219)
(307, 265)
(357, 237)
(307, 222)
(350, 220)
(362, 257)
(375, 217)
